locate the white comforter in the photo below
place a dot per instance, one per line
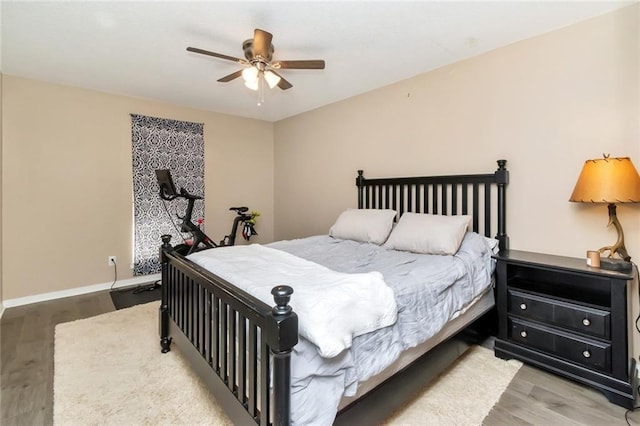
(337, 306)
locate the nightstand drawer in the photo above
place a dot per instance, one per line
(584, 351)
(570, 316)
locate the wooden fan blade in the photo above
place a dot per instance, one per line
(314, 64)
(283, 84)
(215, 55)
(262, 43)
(230, 77)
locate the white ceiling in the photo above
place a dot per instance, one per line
(138, 48)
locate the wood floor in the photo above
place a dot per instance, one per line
(26, 375)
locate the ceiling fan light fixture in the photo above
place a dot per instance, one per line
(253, 85)
(250, 77)
(272, 79)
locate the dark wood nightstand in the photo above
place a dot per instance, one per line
(561, 315)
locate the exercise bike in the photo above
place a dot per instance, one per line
(199, 240)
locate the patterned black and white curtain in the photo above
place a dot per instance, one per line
(163, 144)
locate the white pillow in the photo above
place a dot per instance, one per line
(494, 245)
(428, 234)
(366, 225)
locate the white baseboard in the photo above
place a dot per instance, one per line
(77, 291)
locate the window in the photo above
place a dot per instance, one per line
(162, 144)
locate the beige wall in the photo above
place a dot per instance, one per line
(545, 104)
(66, 186)
(1, 297)
(1, 173)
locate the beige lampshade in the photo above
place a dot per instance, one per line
(607, 180)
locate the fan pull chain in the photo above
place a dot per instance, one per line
(260, 89)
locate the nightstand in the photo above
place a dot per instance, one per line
(559, 314)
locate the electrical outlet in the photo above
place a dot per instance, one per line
(111, 261)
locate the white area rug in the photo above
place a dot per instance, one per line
(463, 395)
(109, 371)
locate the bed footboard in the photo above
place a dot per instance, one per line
(237, 344)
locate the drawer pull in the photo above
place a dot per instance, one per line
(586, 322)
(523, 333)
(523, 306)
(586, 353)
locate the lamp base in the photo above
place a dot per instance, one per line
(615, 264)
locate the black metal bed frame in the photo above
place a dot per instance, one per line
(239, 345)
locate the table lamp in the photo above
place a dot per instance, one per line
(611, 181)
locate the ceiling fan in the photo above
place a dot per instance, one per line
(258, 52)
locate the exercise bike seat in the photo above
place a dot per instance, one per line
(239, 209)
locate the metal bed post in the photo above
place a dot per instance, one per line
(165, 341)
(286, 337)
(502, 179)
(360, 185)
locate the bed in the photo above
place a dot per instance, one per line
(266, 365)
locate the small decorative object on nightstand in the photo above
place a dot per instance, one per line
(563, 316)
(610, 181)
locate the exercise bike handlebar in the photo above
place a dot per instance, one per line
(185, 194)
(165, 195)
(168, 189)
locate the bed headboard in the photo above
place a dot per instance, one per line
(448, 195)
